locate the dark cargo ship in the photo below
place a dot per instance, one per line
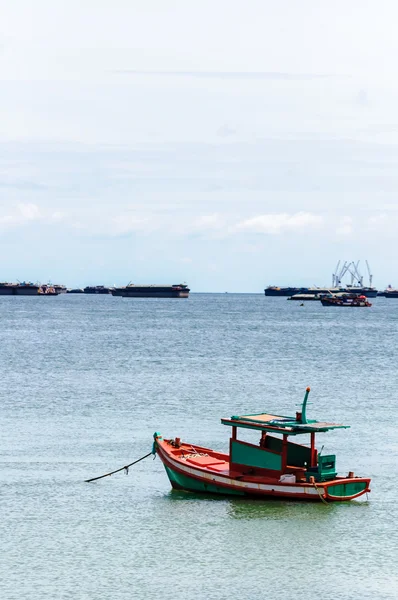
(27, 289)
(96, 289)
(180, 290)
(19, 289)
(273, 290)
(7, 289)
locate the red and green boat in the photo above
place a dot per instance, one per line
(276, 467)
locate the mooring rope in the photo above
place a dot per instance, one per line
(320, 495)
(125, 469)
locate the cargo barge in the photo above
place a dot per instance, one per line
(180, 290)
(96, 289)
(356, 286)
(27, 289)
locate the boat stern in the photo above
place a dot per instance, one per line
(346, 488)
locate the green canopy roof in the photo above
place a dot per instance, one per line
(283, 424)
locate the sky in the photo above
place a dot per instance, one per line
(230, 145)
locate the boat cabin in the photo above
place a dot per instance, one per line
(278, 457)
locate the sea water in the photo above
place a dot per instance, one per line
(86, 380)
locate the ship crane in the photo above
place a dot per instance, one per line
(343, 271)
(355, 274)
(358, 274)
(335, 276)
(370, 274)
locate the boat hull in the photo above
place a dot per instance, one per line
(184, 474)
(96, 290)
(27, 290)
(137, 294)
(17, 290)
(327, 302)
(152, 291)
(7, 290)
(284, 291)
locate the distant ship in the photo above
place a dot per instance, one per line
(96, 289)
(60, 289)
(350, 268)
(7, 289)
(27, 289)
(180, 290)
(273, 290)
(389, 292)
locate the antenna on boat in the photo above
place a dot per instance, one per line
(304, 406)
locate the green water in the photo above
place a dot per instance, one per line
(85, 381)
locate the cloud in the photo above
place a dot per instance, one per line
(25, 212)
(124, 224)
(362, 98)
(276, 223)
(29, 211)
(380, 220)
(6, 219)
(58, 216)
(225, 131)
(270, 75)
(345, 226)
(212, 221)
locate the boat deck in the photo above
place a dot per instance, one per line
(216, 462)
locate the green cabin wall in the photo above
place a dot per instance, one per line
(254, 456)
(296, 455)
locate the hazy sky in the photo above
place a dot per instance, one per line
(227, 144)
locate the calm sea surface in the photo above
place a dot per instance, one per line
(86, 380)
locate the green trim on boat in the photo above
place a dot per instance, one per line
(347, 489)
(184, 482)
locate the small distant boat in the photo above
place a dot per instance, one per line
(61, 289)
(47, 290)
(75, 291)
(351, 300)
(274, 468)
(390, 293)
